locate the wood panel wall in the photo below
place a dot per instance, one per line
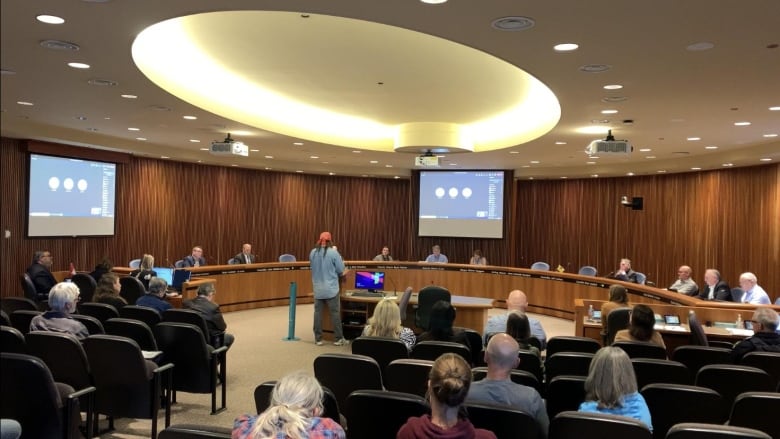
(727, 219)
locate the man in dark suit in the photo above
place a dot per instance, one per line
(196, 259)
(204, 305)
(246, 256)
(40, 274)
(714, 288)
(624, 273)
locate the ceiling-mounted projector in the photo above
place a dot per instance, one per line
(609, 146)
(427, 160)
(229, 147)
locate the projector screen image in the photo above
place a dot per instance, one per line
(465, 204)
(369, 280)
(70, 197)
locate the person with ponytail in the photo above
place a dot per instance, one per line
(294, 413)
(327, 266)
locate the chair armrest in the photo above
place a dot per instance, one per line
(82, 392)
(70, 410)
(218, 351)
(163, 368)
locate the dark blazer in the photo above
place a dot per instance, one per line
(42, 279)
(189, 261)
(722, 291)
(630, 276)
(210, 311)
(240, 258)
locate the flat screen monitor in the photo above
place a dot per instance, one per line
(179, 277)
(164, 273)
(70, 197)
(464, 204)
(370, 280)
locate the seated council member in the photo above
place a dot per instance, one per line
(63, 298)
(386, 322)
(196, 259)
(144, 272)
(436, 257)
(246, 256)
(204, 305)
(516, 301)
(641, 327)
(714, 288)
(753, 292)
(624, 272)
(684, 284)
(107, 291)
(40, 274)
(155, 297)
(477, 258)
(384, 256)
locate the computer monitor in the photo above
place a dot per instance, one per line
(370, 280)
(164, 273)
(179, 277)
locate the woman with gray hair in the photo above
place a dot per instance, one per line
(63, 298)
(611, 387)
(296, 404)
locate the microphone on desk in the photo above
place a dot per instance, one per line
(395, 290)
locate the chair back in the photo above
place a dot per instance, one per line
(383, 350)
(736, 294)
(769, 362)
(567, 363)
(21, 319)
(530, 362)
(132, 288)
(28, 288)
(11, 304)
(588, 270)
(641, 349)
(543, 266)
(100, 311)
(408, 376)
(233, 261)
(586, 425)
(522, 377)
(565, 392)
(5, 320)
(617, 320)
(475, 346)
(692, 430)
(752, 410)
(132, 329)
(184, 346)
(641, 278)
(364, 374)
(504, 421)
(191, 431)
(431, 350)
(571, 344)
(671, 404)
(189, 317)
(404, 302)
(63, 355)
(380, 414)
(425, 300)
(94, 327)
(653, 370)
(12, 340)
(730, 380)
(150, 316)
(694, 357)
(86, 284)
(287, 258)
(135, 263)
(179, 263)
(698, 338)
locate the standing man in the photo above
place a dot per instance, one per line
(40, 274)
(246, 256)
(436, 257)
(326, 268)
(385, 255)
(714, 288)
(517, 302)
(753, 292)
(196, 259)
(684, 284)
(204, 305)
(624, 272)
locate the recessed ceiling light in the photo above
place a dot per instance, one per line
(29, 104)
(50, 19)
(661, 171)
(613, 99)
(331, 173)
(776, 108)
(630, 174)
(140, 138)
(269, 156)
(526, 166)
(81, 117)
(696, 168)
(356, 152)
(590, 163)
(770, 135)
(267, 168)
(254, 150)
(534, 162)
(650, 157)
(599, 121)
(204, 149)
(234, 165)
(594, 157)
(434, 2)
(609, 111)
(298, 143)
(373, 162)
(594, 175)
(133, 129)
(396, 177)
(129, 96)
(560, 143)
(698, 47)
(530, 178)
(595, 68)
(710, 147)
(645, 150)
(189, 117)
(727, 165)
(299, 171)
(765, 159)
(453, 164)
(564, 178)
(693, 139)
(514, 152)
(164, 157)
(513, 24)
(314, 156)
(78, 65)
(388, 166)
(613, 87)
(741, 124)
(59, 45)
(565, 47)
(194, 140)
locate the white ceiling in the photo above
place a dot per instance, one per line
(672, 93)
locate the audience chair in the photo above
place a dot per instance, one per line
(192, 318)
(688, 430)
(758, 410)
(28, 288)
(12, 340)
(730, 380)
(506, 422)
(698, 337)
(287, 258)
(475, 346)
(641, 349)
(86, 284)
(769, 362)
(233, 261)
(585, 425)
(564, 392)
(543, 266)
(641, 278)
(31, 397)
(571, 344)
(720, 344)
(345, 373)
(404, 302)
(21, 319)
(694, 357)
(736, 294)
(426, 297)
(11, 304)
(653, 370)
(408, 376)
(517, 376)
(128, 385)
(330, 408)
(94, 327)
(132, 289)
(191, 431)
(150, 316)
(567, 363)
(5, 320)
(431, 350)
(616, 320)
(383, 350)
(588, 270)
(671, 404)
(530, 362)
(179, 263)
(183, 345)
(135, 263)
(132, 329)
(100, 311)
(379, 414)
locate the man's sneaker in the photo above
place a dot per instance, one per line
(342, 342)
(318, 342)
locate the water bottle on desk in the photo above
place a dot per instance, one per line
(739, 323)
(590, 312)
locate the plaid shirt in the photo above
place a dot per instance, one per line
(320, 428)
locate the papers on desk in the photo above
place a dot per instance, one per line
(743, 332)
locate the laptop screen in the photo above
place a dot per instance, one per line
(179, 277)
(164, 273)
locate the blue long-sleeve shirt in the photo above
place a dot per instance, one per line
(326, 267)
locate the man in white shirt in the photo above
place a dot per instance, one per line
(684, 284)
(754, 294)
(517, 301)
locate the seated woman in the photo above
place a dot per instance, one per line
(386, 322)
(296, 403)
(107, 291)
(103, 267)
(440, 325)
(641, 327)
(144, 272)
(448, 385)
(611, 387)
(477, 258)
(62, 302)
(517, 327)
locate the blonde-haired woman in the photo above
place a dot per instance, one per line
(386, 322)
(296, 404)
(144, 272)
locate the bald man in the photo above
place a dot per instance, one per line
(517, 301)
(684, 284)
(498, 388)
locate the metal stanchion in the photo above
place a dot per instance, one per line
(291, 319)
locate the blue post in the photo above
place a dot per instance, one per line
(291, 318)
